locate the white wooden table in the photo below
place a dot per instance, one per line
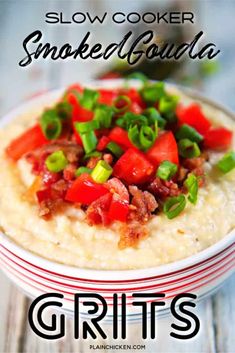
(18, 19)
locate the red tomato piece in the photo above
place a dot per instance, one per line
(26, 142)
(97, 212)
(107, 96)
(135, 97)
(102, 143)
(218, 138)
(135, 108)
(164, 149)
(43, 195)
(81, 114)
(84, 190)
(75, 87)
(110, 75)
(133, 167)
(120, 136)
(118, 210)
(193, 116)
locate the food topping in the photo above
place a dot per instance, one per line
(122, 155)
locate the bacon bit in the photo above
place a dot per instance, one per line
(162, 189)
(92, 162)
(131, 234)
(182, 174)
(144, 202)
(108, 158)
(69, 172)
(193, 163)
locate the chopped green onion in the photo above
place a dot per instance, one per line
(188, 148)
(133, 135)
(115, 149)
(82, 170)
(89, 141)
(51, 124)
(143, 137)
(147, 136)
(101, 172)
(167, 104)
(186, 131)
(86, 126)
(103, 114)
(227, 162)
(153, 92)
(153, 115)
(191, 184)
(130, 119)
(121, 103)
(138, 76)
(92, 154)
(63, 109)
(56, 162)
(166, 170)
(89, 98)
(174, 206)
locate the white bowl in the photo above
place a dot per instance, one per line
(200, 274)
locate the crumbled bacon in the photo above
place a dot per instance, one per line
(144, 203)
(131, 234)
(92, 162)
(108, 158)
(193, 163)
(162, 189)
(69, 172)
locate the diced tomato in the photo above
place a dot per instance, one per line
(75, 87)
(218, 138)
(118, 210)
(77, 137)
(164, 149)
(26, 142)
(135, 108)
(120, 136)
(43, 195)
(81, 114)
(107, 96)
(102, 143)
(49, 178)
(135, 97)
(193, 116)
(110, 75)
(116, 186)
(133, 167)
(84, 190)
(97, 212)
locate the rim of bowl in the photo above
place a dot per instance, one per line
(102, 274)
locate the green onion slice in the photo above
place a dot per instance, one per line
(121, 104)
(166, 170)
(101, 172)
(82, 170)
(137, 76)
(92, 154)
(63, 109)
(174, 206)
(115, 149)
(89, 141)
(191, 184)
(227, 162)
(51, 124)
(56, 162)
(103, 114)
(188, 132)
(188, 148)
(86, 126)
(153, 115)
(167, 104)
(133, 135)
(147, 137)
(130, 119)
(89, 98)
(152, 93)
